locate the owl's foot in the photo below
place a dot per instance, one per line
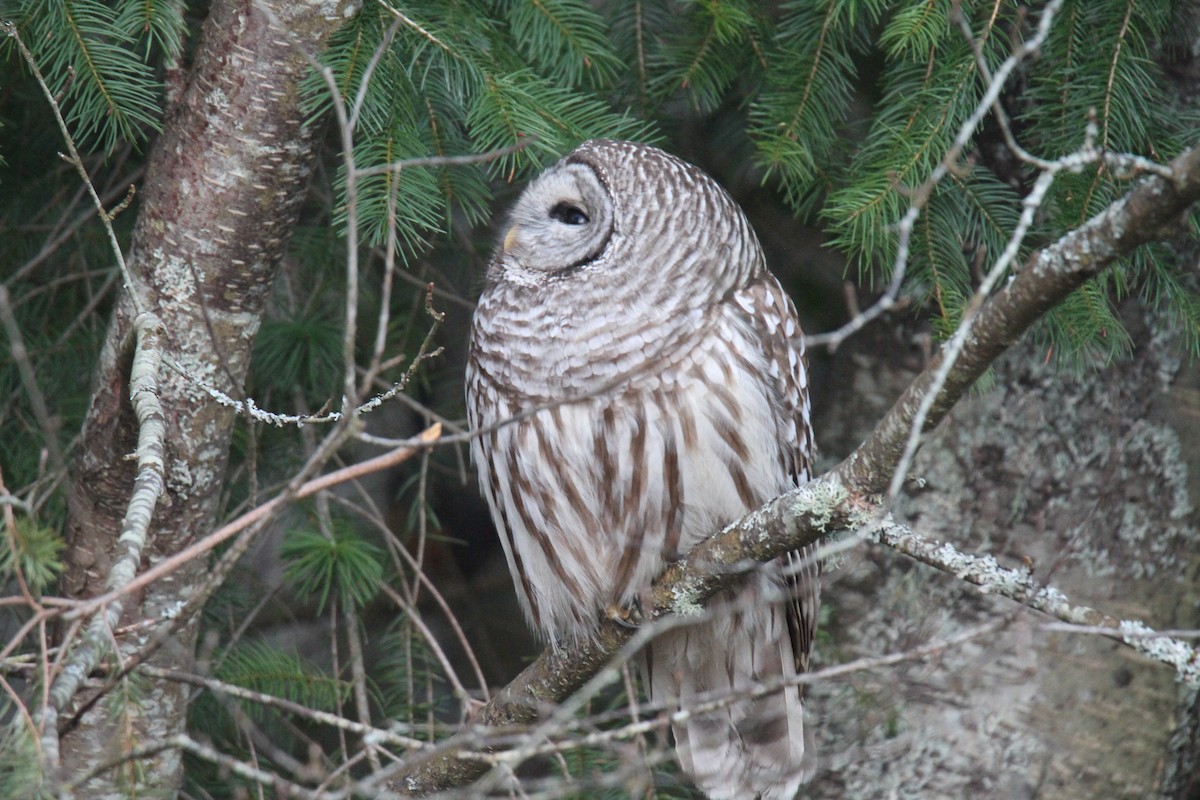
(626, 616)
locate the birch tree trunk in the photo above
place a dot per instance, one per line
(222, 191)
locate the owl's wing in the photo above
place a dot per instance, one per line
(771, 314)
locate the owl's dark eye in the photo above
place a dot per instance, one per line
(568, 214)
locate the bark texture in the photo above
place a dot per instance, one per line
(221, 194)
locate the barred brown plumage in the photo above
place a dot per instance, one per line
(638, 380)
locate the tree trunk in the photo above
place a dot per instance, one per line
(221, 195)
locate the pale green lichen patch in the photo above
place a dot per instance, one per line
(816, 503)
(685, 600)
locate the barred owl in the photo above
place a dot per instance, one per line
(637, 380)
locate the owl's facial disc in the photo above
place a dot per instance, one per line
(561, 222)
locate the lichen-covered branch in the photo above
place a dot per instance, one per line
(135, 528)
(1020, 585)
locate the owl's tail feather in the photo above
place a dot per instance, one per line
(749, 747)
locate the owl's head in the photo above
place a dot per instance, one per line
(615, 207)
(563, 220)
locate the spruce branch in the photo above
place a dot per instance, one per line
(1150, 212)
(949, 162)
(10, 29)
(424, 34)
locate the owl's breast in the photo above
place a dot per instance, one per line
(588, 350)
(625, 479)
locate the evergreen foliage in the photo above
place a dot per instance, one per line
(33, 552)
(844, 105)
(20, 773)
(409, 679)
(270, 670)
(98, 56)
(455, 80)
(341, 565)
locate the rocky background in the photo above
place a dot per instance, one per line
(1091, 479)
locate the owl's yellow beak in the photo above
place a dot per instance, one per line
(510, 239)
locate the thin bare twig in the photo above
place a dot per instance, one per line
(397, 549)
(711, 701)
(64, 231)
(37, 400)
(448, 161)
